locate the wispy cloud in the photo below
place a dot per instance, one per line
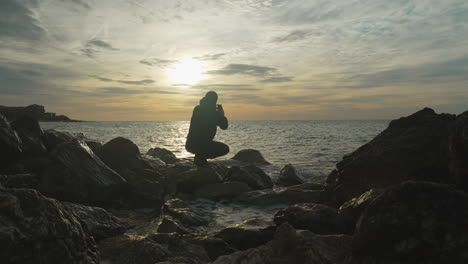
(293, 36)
(18, 21)
(226, 87)
(161, 63)
(210, 57)
(120, 91)
(277, 80)
(138, 82)
(244, 69)
(81, 3)
(94, 46)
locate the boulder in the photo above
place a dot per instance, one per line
(252, 175)
(458, 151)
(318, 218)
(214, 247)
(415, 222)
(222, 190)
(37, 229)
(250, 156)
(281, 196)
(352, 209)
(411, 148)
(294, 246)
(121, 155)
(11, 147)
(168, 225)
(94, 145)
(20, 181)
(75, 174)
(99, 222)
(165, 155)
(193, 179)
(289, 176)
(52, 138)
(308, 186)
(247, 234)
(181, 211)
(31, 135)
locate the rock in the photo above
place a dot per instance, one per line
(411, 148)
(214, 247)
(458, 151)
(415, 222)
(53, 138)
(248, 234)
(94, 145)
(352, 209)
(11, 146)
(100, 223)
(250, 156)
(20, 181)
(31, 135)
(309, 186)
(255, 177)
(36, 229)
(221, 169)
(155, 163)
(289, 176)
(181, 211)
(154, 248)
(34, 111)
(168, 225)
(222, 190)
(75, 174)
(294, 246)
(191, 180)
(165, 155)
(281, 196)
(318, 218)
(121, 155)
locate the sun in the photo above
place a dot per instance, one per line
(187, 72)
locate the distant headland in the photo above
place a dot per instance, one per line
(35, 111)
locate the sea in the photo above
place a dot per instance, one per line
(312, 147)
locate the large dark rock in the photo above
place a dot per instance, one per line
(121, 155)
(94, 145)
(458, 151)
(287, 195)
(168, 225)
(411, 148)
(252, 175)
(53, 138)
(222, 190)
(250, 156)
(352, 209)
(11, 147)
(214, 247)
(36, 229)
(100, 223)
(75, 174)
(415, 222)
(294, 246)
(289, 176)
(31, 135)
(182, 212)
(20, 181)
(248, 234)
(318, 218)
(191, 180)
(165, 155)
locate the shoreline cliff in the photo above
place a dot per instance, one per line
(35, 111)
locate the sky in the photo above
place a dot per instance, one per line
(267, 59)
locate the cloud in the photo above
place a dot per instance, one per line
(158, 62)
(226, 87)
(18, 21)
(140, 82)
(82, 3)
(277, 80)
(210, 57)
(94, 46)
(119, 91)
(245, 69)
(293, 36)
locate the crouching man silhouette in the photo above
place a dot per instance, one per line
(206, 118)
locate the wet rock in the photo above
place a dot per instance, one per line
(411, 148)
(309, 186)
(155, 163)
(75, 174)
(11, 147)
(99, 222)
(250, 156)
(154, 248)
(146, 188)
(252, 175)
(222, 190)
(221, 169)
(36, 229)
(248, 234)
(168, 225)
(121, 155)
(165, 155)
(458, 151)
(214, 247)
(415, 222)
(53, 138)
(31, 135)
(94, 145)
(20, 181)
(181, 211)
(281, 196)
(189, 181)
(352, 209)
(318, 218)
(289, 176)
(294, 246)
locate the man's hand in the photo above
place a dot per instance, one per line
(220, 109)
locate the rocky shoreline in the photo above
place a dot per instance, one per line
(34, 111)
(401, 198)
